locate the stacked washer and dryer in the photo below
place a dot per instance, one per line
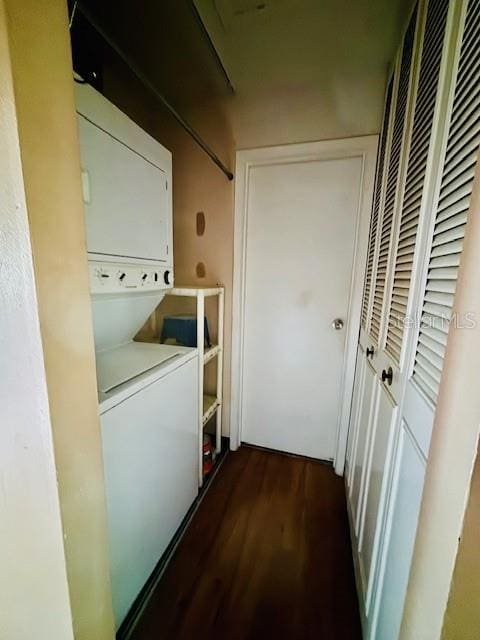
(147, 392)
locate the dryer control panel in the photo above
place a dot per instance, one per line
(111, 277)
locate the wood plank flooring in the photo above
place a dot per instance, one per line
(267, 555)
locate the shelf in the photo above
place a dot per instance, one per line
(210, 405)
(194, 291)
(210, 353)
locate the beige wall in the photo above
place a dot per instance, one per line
(34, 598)
(342, 106)
(200, 186)
(462, 618)
(41, 66)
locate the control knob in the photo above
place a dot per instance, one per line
(101, 274)
(167, 277)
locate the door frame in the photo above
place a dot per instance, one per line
(364, 147)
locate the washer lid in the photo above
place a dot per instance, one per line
(121, 364)
(118, 318)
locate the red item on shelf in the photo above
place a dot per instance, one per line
(207, 454)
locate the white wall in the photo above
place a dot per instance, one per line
(34, 601)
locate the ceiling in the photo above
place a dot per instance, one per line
(300, 42)
(274, 43)
(163, 38)
(300, 69)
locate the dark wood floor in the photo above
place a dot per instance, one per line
(267, 555)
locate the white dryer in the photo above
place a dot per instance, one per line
(148, 393)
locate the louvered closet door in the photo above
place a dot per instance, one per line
(372, 241)
(390, 195)
(407, 466)
(364, 372)
(406, 239)
(376, 412)
(364, 383)
(411, 281)
(450, 211)
(387, 178)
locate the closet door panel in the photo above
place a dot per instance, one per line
(376, 484)
(402, 526)
(417, 412)
(354, 416)
(366, 410)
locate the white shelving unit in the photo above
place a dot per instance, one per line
(208, 405)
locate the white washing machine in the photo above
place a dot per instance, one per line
(147, 392)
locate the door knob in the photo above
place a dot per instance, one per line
(337, 324)
(369, 352)
(387, 376)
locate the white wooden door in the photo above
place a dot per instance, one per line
(300, 240)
